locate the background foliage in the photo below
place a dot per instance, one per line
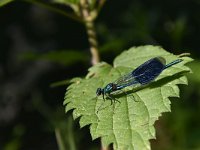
(30, 110)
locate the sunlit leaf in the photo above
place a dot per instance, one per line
(128, 123)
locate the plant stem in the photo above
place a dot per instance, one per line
(89, 17)
(93, 42)
(60, 142)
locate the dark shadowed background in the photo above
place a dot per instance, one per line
(39, 47)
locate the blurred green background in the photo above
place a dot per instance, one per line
(39, 47)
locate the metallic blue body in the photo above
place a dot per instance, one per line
(142, 75)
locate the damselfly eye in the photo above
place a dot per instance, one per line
(99, 91)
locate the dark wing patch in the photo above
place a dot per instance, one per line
(148, 71)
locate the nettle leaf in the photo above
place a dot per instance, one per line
(128, 123)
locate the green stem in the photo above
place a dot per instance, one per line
(54, 9)
(60, 142)
(89, 17)
(70, 135)
(92, 41)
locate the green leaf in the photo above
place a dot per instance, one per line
(4, 2)
(68, 2)
(74, 4)
(128, 123)
(59, 83)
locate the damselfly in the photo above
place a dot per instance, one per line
(142, 75)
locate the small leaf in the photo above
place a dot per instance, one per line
(74, 4)
(128, 123)
(4, 2)
(59, 83)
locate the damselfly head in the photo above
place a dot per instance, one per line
(99, 91)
